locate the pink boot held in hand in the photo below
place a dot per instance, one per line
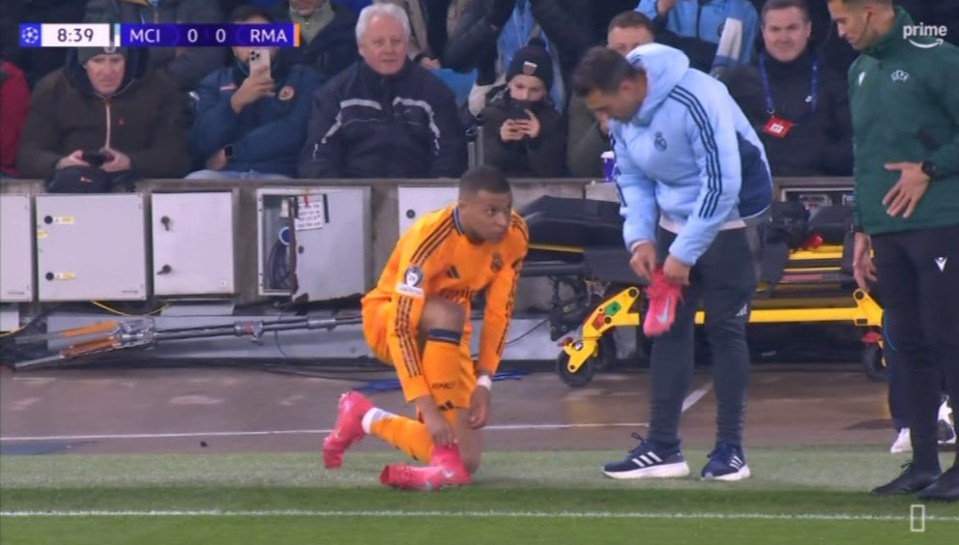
(348, 429)
(663, 298)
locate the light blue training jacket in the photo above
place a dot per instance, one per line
(689, 153)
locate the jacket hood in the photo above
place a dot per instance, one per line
(136, 68)
(665, 67)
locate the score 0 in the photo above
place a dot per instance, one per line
(205, 35)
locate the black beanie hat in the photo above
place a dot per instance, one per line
(532, 60)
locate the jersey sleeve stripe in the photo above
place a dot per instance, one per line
(407, 348)
(428, 245)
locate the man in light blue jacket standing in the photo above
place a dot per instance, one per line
(693, 180)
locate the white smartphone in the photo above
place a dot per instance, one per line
(260, 60)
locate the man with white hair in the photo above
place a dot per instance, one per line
(384, 117)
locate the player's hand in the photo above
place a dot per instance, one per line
(530, 127)
(863, 269)
(217, 161)
(440, 430)
(75, 159)
(643, 260)
(257, 85)
(676, 272)
(510, 131)
(479, 407)
(117, 161)
(905, 195)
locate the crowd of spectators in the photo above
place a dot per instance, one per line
(398, 89)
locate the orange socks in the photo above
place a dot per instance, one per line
(406, 434)
(441, 370)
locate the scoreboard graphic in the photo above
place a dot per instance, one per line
(159, 35)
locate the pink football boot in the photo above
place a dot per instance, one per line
(663, 298)
(445, 469)
(348, 429)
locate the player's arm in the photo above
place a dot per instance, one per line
(500, 297)
(711, 132)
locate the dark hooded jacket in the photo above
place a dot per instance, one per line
(142, 119)
(266, 135)
(540, 157)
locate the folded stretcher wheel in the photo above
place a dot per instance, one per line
(606, 355)
(582, 376)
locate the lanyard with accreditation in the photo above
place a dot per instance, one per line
(775, 125)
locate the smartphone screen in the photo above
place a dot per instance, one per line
(517, 111)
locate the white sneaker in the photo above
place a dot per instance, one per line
(945, 411)
(947, 430)
(903, 443)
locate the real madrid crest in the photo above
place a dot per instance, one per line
(286, 93)
(529, 68)
(660, 142)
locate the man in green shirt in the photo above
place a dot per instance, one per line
(904, 99)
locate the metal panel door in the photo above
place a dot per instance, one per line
(193, 251)
(91, 247)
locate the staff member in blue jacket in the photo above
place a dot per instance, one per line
(687, 157)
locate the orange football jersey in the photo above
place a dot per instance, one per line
(434, 258)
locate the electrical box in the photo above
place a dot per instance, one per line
(16, 249)
(314, 242)
(91, 247)
(413, 202)
(193, 251)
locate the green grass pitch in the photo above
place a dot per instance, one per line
(800, 496)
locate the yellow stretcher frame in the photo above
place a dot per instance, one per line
(622, 310)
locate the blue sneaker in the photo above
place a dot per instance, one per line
(726, 463)
(649, 459)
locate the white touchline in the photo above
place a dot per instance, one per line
(472, 514)
(690, 400)
(119, 436)
(698, 394)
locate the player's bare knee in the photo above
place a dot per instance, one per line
(441, 314)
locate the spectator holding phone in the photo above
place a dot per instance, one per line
(251, 117)
(101, 116)
(523, 134)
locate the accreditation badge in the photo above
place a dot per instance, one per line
(777, 127)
